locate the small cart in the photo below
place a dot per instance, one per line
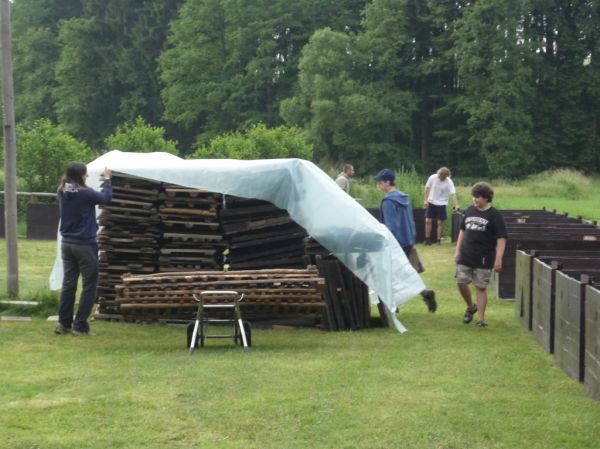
(213, 308)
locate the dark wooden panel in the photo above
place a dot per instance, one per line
(570, 324)
(592, 342)
(542, 298)
(42, 221)
(505, 281)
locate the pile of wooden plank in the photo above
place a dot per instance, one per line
(192, 238)
(128, 240)
(268, 294)
(260, 235)
(346, 297)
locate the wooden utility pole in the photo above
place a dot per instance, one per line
(10, 154)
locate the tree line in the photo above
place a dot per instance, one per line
(490, 87)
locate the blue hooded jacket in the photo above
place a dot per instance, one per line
(397, 215)
(78, 212)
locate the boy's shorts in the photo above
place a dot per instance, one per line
(479, 276)
(436, 212)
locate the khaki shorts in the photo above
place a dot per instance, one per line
(479, 276)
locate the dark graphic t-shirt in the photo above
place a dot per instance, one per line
(481, 231)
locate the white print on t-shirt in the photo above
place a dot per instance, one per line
(476, 223)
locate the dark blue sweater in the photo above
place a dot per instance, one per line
(78, 212)
(397, 215)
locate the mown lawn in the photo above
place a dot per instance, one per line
(441, 385)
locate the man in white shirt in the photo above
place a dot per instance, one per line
(438, 190)
(343, 179)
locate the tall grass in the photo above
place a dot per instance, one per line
(364, 189)
(564, 183)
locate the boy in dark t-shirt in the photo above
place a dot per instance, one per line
(479, 249)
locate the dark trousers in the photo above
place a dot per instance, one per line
(78, 259)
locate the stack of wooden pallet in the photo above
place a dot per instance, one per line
(346, 297)
(129, 236)
(192, 238)
(268, 294)
(260, 235)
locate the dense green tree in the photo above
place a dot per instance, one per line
(493, 66)
(43, 151)
(349, 120)
(231, 62)
(258, 142)
(140, 137)
(36, 50)
(106, 72)
(565, 117)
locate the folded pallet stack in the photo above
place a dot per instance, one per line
(260, 235)
(192, 238)
(268, 294)
(129, 236)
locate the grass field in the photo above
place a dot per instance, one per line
(442, 385)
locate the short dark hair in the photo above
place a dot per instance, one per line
(483, 190)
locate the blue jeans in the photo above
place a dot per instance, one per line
(78, 259)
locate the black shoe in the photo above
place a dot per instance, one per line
(429, 298)
(481, 324)
(469, 314)
(427, 241)
(61, 329)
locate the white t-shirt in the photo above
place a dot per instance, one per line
(439, 191)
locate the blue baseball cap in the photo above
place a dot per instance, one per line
(385, 175)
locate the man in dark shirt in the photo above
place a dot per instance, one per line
(479, 249)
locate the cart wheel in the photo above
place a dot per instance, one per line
(190, 332)
(248, 332)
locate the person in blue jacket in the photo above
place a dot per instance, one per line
(79, 249)
(397, 214)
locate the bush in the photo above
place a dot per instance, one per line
(141, 138)
(562, 183)
(258, 142)
(43, 152)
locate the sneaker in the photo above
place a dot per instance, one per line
(61, 329)
(429, 298)
(83, 333)
(481, 324)
(469, 314)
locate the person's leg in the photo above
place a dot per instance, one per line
(481, 303)
(464, 276)
(88, 261)
(69, 286)
(481, 279)
(465, 292)
(427, 230)
(440, 228)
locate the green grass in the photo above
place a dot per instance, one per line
(36, 258)
(441, 385)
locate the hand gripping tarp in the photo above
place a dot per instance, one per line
(312, 199)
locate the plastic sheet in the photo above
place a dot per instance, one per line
(309, 195)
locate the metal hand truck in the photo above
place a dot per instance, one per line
(228, 301)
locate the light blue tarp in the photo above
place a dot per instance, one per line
(309, 195)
